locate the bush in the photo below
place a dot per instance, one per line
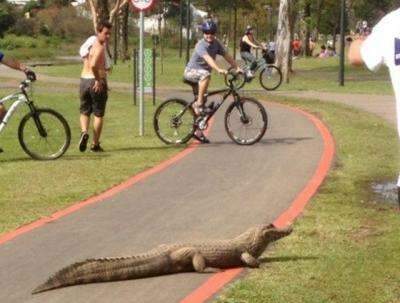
(7, 17)
(63, 22)
(24, 26)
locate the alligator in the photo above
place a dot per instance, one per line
(206, 257)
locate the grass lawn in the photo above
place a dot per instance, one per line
(309, 74)
(31, 189)
(345, 246)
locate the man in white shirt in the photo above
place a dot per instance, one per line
(382, 46)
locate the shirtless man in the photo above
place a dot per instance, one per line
(93, 89)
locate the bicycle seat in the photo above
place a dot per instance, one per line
(194, 85)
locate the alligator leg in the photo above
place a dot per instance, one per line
(249, 260)
(199, 264)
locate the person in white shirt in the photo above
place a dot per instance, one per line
(382, 46)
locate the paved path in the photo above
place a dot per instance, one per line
(215, 192)
(381, 105)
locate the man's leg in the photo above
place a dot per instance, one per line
(2, 112)
(97, 128)
(99, 108)
(203, 86)
(84, 121)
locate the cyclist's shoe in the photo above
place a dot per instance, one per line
(199, 136)
(96, 148)
(208, 109)
(83, 141)
(249, 75)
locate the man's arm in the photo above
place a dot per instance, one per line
(354, 54)
(230, 60)
(247, 40)
(98, 51)
(213, 64)
(14, 64)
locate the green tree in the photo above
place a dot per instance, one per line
(7, 16)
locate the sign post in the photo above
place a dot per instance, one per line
(142, 6)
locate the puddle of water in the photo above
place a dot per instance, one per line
(387, 191)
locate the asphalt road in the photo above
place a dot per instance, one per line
(215, 192)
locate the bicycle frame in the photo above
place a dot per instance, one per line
(19, 98)
(227, 92)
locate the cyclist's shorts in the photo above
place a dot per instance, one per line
(92, 102)
(196, 75)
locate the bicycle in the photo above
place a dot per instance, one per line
(270, 75)
(43, 133)
(246, 120)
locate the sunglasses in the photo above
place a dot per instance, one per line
(209, 32)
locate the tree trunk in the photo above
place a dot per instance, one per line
(103, 11)
(307, 15)
(320, 4)
(283, 39)
(123, 33)
(292, 21)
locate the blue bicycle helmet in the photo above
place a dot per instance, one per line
(209, 27)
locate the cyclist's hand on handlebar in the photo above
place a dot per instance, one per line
(30, 74)
(222, 71)
(239, 70)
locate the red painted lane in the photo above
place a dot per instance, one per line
(219, 280)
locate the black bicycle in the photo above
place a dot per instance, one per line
(43, 133)
(246, 120)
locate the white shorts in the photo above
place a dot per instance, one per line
(196, 75)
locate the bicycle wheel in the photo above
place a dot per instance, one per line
(44, 135)
(271, 77)
(246, 122)
(239, 82)
(174, 121)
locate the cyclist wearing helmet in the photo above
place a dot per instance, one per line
(12, 63)
(198, 70)
(246, 43)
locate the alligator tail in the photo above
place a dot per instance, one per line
(104, 270)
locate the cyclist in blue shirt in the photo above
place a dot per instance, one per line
(198, 69)
(15, 64)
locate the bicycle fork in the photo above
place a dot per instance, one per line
(38, 123)
(239, 106)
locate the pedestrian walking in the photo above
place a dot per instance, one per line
(93, 86)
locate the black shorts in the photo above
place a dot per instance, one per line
(92, 102)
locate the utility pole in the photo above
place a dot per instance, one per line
(235, 30)
(188, 26)
(181, 29)
(342, 41)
